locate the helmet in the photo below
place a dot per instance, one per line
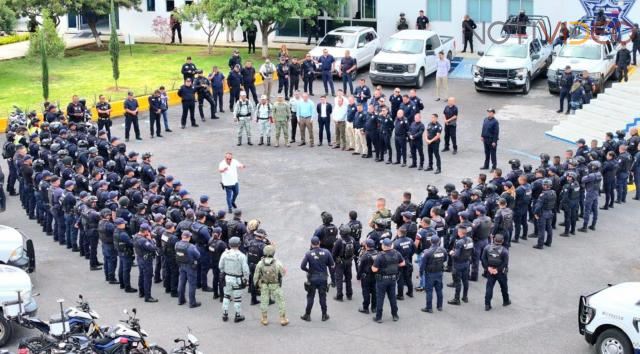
(382, 222)
(105, 213)
(593, 155)
(122, 148)
(63, 152)
(492, 187)
(572, 162)
(477, 193)
(467, 182)
(253, 224)
(146, 155)
(234, 241)
(580, 160)
(621, 134)
(92, 199)
(260, 233)
(594, 166)
(38, 164)
(93, 150)
(527, 168)
(67, 160)
(83, 144)
(581, 141)
(269, 251)
(174, 199)
(547, 182)
(572, 175)
(432, 190)
(123, 202)
(326, 217)
(46, 142)
(449, 187)
(344, 230)
(544, 157)
(111, 165)
(515, 164)
(481, 208)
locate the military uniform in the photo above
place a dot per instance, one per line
(233, 264)
(242, 112)
(268, 277)
(282, 115)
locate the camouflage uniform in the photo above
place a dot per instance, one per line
(242, 112)
(233, 264)
(269, 267)
(380, 214)
(282, 116)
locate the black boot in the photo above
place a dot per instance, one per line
(249, 142)
(239, 141)
(268, 141)
(261, 141)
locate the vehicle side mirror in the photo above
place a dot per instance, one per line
(535, 56)
(429, 52)
(481, 53)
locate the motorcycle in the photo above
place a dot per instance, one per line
(188, 346)
(127, 337)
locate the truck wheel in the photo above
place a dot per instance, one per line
(420, 79)
(527, 85)
(613, 341)
(5, 330)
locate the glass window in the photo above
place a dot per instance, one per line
(439, 10)
(339, 41)
(402, 46)
(72, 19)
(432, 43)
(592, 52)
(515, 6)
(151, 5)
(171, 5)
(509, 50)
(479, 10)
(368, 9)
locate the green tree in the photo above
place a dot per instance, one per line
(207, 15)
(45, 69)
(7, 17)
(46, 8)
(92, 9)
(54, 44)
(114, 46)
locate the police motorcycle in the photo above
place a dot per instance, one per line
(189, 345)
(18, 118)
(126, 338)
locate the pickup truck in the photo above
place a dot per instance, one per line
(610, 318)
(408, 57)
(16, 249)
(15, 297)
(599, 59)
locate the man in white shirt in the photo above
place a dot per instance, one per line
(228, 169)
(443, 65)
(340, 119)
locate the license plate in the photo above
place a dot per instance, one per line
(495, 84)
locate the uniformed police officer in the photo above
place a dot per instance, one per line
(415, 133)
(591, 184)
(366, 276)
(217, 246)
(569, 198)
(401, 131)
(188, 69)
(543, 212)
(124, 246)
(387, 266)
(503, 222)
(233, 264)
(268, 277)
(145, 249)
(105, 231)
(495, 260)
(566, 81)
(461, 255)
(482, 226)
(202, 86)
(432, 265)
(200, 237)
(187, 257)
(344, 251)
(187, 94)
(316, 263)
(432, 138)
(521, 208)
(622, 177)
(254, 255)
(405, 246)
(170, 265)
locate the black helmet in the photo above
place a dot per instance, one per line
(477, 193)
(174, 199)
(327, 218)
(38, 164)
(547, 182)
(581, 141)
(527, 168)
(55, 147)
(382, 222)
(515, 164)
(260, 233)
(467, 182)
(123, 202)
(93, 150)
(572, 162)
(111, 165)
(544, 157)
(83, 144)
(432, 190)
(122, 148)
(449, 187)
(621, 134)
(344, 230)
(572, 175)
(46, 142)
(146, 155)
(105, 213)
(63, 153)
(67, 160)
(593, 155)
(580, 160)
(594, 166)
(492, 187)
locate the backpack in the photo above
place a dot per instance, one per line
(329, 236)
(269, 274)
(356, 230)
(349, 250)
(493, 256)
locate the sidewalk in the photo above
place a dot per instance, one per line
(20, 49)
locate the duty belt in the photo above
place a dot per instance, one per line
(260, 118)
(244, 115)
(233, 275)
(387, 277)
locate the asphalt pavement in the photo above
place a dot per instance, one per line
(288, 188)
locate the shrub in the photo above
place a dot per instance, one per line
(14, 38)
(7, 18)
(54, 43)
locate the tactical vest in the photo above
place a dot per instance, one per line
(103, 234)
(484, 229)
(195, 234)
(234, 228)
(467, 250)
(494, 254)
(254, 252)
(167, 250)
(121, 246)
(391, 263)
(441, 228)
(329, 235)
(507, 219)
(549, 200)
(356, 229)
(435, 263)
(182, 254)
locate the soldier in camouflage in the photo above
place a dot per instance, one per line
(282, 116)
(268, 277)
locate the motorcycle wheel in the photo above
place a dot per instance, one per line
(156, 350)
(37, 345)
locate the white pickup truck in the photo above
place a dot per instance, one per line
(408, 57)
(598, 58)
(610, 319)
(15, 298)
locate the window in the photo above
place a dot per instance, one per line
(439, 10)
(368, 9)
(479, 10)
(171, 5)
(151, 5)
(432, 43)
(515, 6)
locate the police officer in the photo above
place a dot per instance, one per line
(591, 184)
(387, 124)
(268, 277)
(234, 81)
(622, 177)
(348, 70)
(344, 251)
(503, 222)
(124, 246)
(422, 22)
(217, 87)
(155, 111)
(170, 265)
(187, 257)
(366, 277)
(432, 138)
(416, 130)
(543, 212)
(327, 233)
(200, 237)
(326, 61)
(283, 76)
(233, 264)
(482, 226)
(106, 231)
(489, 136)
(202, 86)
(432, 265)
(387, 267)
(188, 69)
(254, 255)
(371, 127)
(405, 246)
(187, 94)
(461, 255)
(217, 246)
(248, 73)
(569, 199)
(316, 262)
(145, 248)
(495, 260)
(308, 73)
(401, 129)
(565, 83)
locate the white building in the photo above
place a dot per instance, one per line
(445, 16)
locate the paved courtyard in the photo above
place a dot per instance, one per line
(288, 188)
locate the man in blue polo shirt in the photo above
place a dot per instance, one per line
(326, 66)
(131, 116)
(347, 67)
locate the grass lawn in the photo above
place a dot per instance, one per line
(86, 72)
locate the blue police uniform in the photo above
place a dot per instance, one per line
(405, 246)
(481, 230)
(188, 96)
(187, 257)
(388, 264)
(170, 265)
(371, 131)
(201, 237)
(234, 81)
(622, 177)
(566, 80)
(217, 87)
(395, 100)
(316, 263)
(543, 210)
(462, 252)
(490, 135)
(105, 231)
(145, 253)
(249, 82)
(416, 129)
(362, 94)
(367, 280)
(308, 75)
(124, 246)
(433, 149)
(326, 66)
(202, 86)
(401, 131)
(569, 197)
(609, 171)
(450, 128)
(432, 265)
(591, 184)
(496, 256)
(409, 110)
(386, 130)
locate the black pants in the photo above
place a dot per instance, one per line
(401, 149)
(174, 29)
(385, 147)
(490, 154)
(294, 126)
(170, 275)
(368, 283)
(234, 95)
(404, 280)
(283, 83)
(321, 289)
(217, 98)
(293, 84)
(251, 89)
(312, 32)
(635, 48)
(130, 120)
(417, 149)
(308, 84)
(105, 123)
(188, 106)
(468, 38)
(501, 278)
(154, 119)
(372, 141)
(565, 95)
(609, 186)
(343, 277)
(434, 151)
(623, 72)
(252, 43)
(570, 216)
(450, 135)
(324, 125)
(206, 97)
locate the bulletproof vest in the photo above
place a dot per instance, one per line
(233, 228)
(182, 254)
(391, 263)
(102, 232)
(232, 263)
(412, 230)
(121, 246)
(184, 225)
(213, 245)
(269, 272)
(405, 248)
(549, 201)
(254, 251)
(348, 249)
(441, 228)
(174, 214)
(135, 222)
(494, 255)
(435, 263)
(467, 249)
(507, 218)
(484, 228)
(167, 248)
(44, 192)
(329, 235)
(573, 191)
(356, 229)
(196, 238)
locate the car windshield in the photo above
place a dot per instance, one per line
(580, 51)
(337, 40)
(406, 46)
(509, 50)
